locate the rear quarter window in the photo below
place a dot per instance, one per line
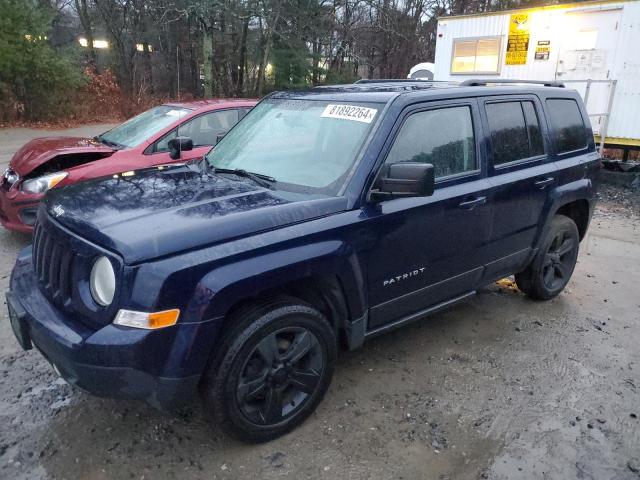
(567, 125)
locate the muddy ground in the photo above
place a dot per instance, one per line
(499, 387)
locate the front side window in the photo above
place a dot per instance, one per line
(203, 129)
(567, 124)
(141, 128)
(442, 137)
(481, 55)
(308, 146)
(515, 131)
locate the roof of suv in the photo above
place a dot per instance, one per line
(385, 90)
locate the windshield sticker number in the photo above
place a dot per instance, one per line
(350, 112)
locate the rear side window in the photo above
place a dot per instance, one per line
(515, 131)
(443, 137)
(567, 124)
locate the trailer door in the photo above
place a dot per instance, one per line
(587, 52)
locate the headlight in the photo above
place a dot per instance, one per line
(102, 282)
(44, 183)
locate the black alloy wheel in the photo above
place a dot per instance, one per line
(280, 375)
(552, 267)
(270, 370)
(559, 260)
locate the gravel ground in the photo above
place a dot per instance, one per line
(499, 387)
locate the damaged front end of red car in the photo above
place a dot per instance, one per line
(37, 167)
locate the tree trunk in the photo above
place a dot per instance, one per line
(85, 20)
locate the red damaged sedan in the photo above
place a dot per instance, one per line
(174, 132)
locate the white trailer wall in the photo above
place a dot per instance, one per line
(589, 40)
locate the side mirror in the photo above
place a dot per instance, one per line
(405, 179)
(220, 136)
(177, 145)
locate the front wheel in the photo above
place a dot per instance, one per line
(271, 371)
(552, 267)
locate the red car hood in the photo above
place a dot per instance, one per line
(41, 150)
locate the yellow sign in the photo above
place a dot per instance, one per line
(518, 42)
(543, 50)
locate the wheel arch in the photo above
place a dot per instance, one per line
(326, 276)
(574, 200)
(579, 212)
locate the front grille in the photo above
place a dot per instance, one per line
(53, 265)
(62, 264)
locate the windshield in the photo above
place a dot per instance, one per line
(135, 131)
(307, 146)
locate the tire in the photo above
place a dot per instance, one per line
(271, 370)
(551, 268)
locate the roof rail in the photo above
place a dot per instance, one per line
(500, 81)
(401, 80)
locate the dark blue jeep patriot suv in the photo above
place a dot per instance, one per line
(322, 219)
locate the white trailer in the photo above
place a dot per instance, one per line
(591, 46)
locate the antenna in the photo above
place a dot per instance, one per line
(178, 92)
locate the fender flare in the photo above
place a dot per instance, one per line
(582, 189)
(249, 277)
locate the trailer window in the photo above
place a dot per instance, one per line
(478, 55)
(567, 125)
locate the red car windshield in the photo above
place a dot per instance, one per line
(140, 128)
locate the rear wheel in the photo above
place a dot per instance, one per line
(553, 265)
(272, 370)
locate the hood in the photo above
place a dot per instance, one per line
(165, 210)
(38, 152)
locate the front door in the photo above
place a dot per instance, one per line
(428, 250)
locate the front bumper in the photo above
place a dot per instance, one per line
(162, 367)
(18, 209)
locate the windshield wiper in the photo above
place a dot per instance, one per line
(108, 143)
(261, 179)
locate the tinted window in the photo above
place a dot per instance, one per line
(442, 137)
(566, 122)
(533, 126)
(509, 139)
(515, 131)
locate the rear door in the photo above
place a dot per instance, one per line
(521, 173)
(428, 250)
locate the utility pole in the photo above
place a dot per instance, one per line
(178, 68)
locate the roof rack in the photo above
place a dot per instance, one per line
(473, 82)
(401, 80)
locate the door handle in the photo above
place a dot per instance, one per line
(541, 184)
(473, 203)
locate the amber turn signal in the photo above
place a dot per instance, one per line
(149, 321)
